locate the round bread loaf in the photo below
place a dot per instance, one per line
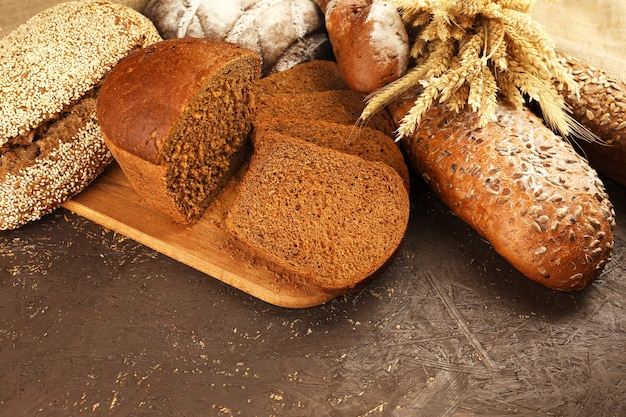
(369, 42)
(50, 66)
(176, 116)
(283, 32)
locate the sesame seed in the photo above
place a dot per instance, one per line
(60, 54)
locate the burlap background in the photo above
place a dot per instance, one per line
(591, 30)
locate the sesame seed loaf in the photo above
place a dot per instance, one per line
(176, 116)
(50, 68)
(521, 187)
(332, 218)
(318, 75)
(338, 106)
(369, 144)
(600, 105)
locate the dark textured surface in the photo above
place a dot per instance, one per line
(92, 323)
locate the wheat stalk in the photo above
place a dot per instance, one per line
(471, 53)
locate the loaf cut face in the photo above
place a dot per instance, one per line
(177, 116)
(330, 217)
(318, 75)
(337, 106)
(367, 143)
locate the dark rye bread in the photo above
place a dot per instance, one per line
(338, 106)
(176, 116)
(367, 143)
(332, 218)
(318, 75)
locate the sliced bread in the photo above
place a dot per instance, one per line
(330, 217)
(338, 106)
(367, 143)
(319, 75)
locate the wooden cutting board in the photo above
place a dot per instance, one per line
(206, 246)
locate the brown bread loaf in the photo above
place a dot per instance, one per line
(369, 40)
(369, 144)
(51, 147)
(332, 218)
(521, 187)
(600, 105)
(176, 117)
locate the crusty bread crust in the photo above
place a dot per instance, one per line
(521, 187)
(177, 116)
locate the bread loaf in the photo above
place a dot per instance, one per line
(521, 187)
(600, 105)
(283, 32)
(367, 143)
(369, 41)
(176, 116)
(332, 218)
(50, 68)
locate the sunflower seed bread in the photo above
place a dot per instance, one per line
(50, 69)
(520, 186)
(600, 105)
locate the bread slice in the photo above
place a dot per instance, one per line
(367, 143)
(319, 75)
(176, 116)
(338, 106)
(332, 218)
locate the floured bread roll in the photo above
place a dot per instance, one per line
(283, 32)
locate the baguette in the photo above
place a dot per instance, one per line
(521, 187)
(50, 68)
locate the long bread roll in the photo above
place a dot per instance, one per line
(50, 68)
(521, 187)
(600, 105)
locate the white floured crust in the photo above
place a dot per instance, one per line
(283, 32)
(29, 193)
(58, 55)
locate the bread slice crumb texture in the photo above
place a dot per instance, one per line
(181, 109)
(331, 217)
